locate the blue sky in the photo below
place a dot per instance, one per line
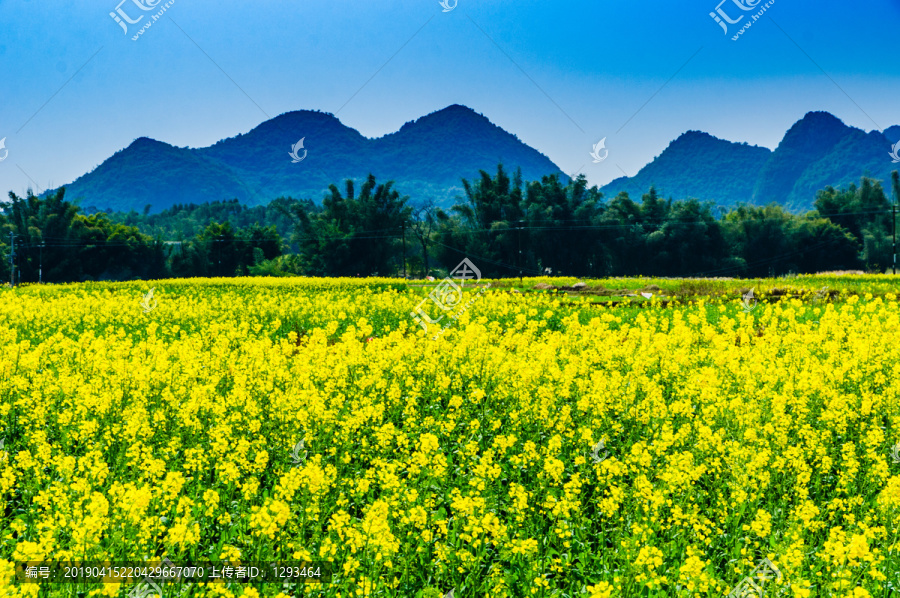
(560, 75)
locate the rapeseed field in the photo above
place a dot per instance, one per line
(540, 446)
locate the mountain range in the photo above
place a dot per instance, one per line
(818, 151)
(256, 167)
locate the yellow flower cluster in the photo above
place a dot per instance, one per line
(299, 419)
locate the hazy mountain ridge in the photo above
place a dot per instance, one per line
(439, 134)
(426, 158)
(153, 172)
(697, 165)
(817, 151)
(892, 133)
(807, 142)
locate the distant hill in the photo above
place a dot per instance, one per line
(428, 157)
(456, 142)
(893, 133)
(701, 166)
(155, 173)
(425, 158)
(819, 150)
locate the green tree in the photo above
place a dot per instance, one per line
(761, 238)
(864, 211)
(352, 234)
(692, 241)
(423, 225)
(489, 225)
(49, 221)
(623, 235)
(109, 251)
(561, 220)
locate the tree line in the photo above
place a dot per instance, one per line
(506, 226)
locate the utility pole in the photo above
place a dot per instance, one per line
(895, 184)
(403, 228)
(41, 267)
(12, 259)
(520, 251)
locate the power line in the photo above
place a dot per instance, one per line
(591, 225)
(778, 258)
(481, 258)
(357, 236)
(641, 223)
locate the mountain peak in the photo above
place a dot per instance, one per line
(456, 109)
(455, 114)
(693, 141)
(819, 150)
(698, 165)
(893, 133)
(294, 115)
(693, 133)
(813, 135)
(817, 125)
(693, 136)
(819, 117)
(299, 120)
(142, 143)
